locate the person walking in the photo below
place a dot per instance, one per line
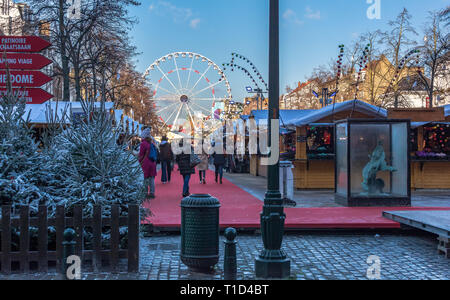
(219, 163)
(203, 167)
(186, 170)
(148, 156)
(166, 158)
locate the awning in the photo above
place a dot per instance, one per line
(418, 124)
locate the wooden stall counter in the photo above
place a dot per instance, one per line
(314, 174)
(256, 169)
(430, 174)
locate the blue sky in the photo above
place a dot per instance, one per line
(310, 31)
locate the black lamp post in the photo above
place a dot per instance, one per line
(273, 263)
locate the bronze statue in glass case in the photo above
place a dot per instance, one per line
(371, 184)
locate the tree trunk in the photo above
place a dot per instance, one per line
(64, 58)
(94, 81)
(396, 100)
(103, 95)
(431, 92)
(77, 81)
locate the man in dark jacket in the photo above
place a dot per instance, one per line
(219, 163)
(184, 166)
(166, 158)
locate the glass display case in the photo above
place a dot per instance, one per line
(373, 163)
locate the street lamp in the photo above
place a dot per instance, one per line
(273, 262)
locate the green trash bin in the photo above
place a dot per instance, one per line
(200, 232)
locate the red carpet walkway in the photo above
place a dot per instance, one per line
(242, 210)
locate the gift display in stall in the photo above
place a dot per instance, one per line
(289, 144)
(436, 142)
(320, 142)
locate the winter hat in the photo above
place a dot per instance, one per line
(146, 134)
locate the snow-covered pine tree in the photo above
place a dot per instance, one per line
(19, 158)
(89, 167)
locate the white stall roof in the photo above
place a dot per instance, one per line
(39, 113)
(359, 106)
(55, 109)
(77, 105)
(286, 116)
(418, 124)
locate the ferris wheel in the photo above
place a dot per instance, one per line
(187, 86)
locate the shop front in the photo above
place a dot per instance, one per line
(315, 149)
(430, 166)
(430, 146)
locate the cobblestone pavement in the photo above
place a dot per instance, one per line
(314, 256)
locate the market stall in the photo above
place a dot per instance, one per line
(288, 144)
(430, 146)
(430, 156)
(39, 116)
(314, 160)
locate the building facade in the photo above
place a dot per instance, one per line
(379, 84)
(15, 18)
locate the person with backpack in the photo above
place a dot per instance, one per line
(166, 158)
(148, 157)
(186, 169)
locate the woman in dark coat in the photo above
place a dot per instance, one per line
(184, 166)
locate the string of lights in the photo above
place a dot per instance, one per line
(326, 95)
(403, 63)
(252, 65)
(339, 69)
(362, 66)
(235, 66)
(251, 71)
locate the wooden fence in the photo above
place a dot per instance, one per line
(24, 256)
